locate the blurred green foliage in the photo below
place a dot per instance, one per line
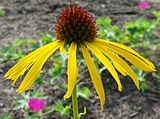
(141, 76)
(140, 33)
(2, 12)
(20, 47)
(61, 108)
(83, 91)
(5, 116)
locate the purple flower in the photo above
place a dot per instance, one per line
(143, 5)
(36, 104)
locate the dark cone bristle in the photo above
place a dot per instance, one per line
(75, 24)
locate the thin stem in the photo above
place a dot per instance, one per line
(48, 112)
(75, 104)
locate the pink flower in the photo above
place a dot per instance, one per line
(143, 5)
(36, 104)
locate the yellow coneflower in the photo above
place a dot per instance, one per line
(76, 28)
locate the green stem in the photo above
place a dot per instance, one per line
(48, 112)
(75, 104)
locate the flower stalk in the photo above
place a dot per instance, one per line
(75, 103)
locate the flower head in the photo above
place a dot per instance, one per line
(143, 5)
(76, 28)
(36, 104)
(75, 24)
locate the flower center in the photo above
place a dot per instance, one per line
(75, 24)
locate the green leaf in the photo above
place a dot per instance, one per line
(62, 108)
(83, 92)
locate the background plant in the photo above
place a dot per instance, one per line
(142, 34)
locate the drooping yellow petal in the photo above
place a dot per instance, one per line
(106, 62)
(129, 50)
(119, 68)
(95, 76)
(31, 75)
(37, 66)
(132, 58)
(72, 69)
(18, 69)
(118, 60)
